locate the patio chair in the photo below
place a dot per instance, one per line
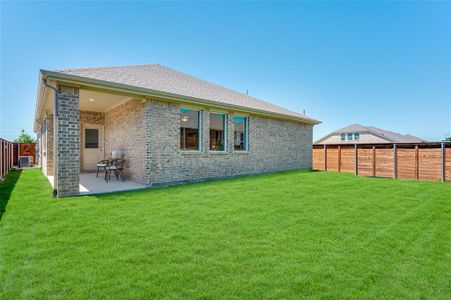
(117, 167)
(101, 165)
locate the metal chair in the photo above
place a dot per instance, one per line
(101, 164)
(117, 167)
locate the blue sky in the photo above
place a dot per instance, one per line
(386, 64)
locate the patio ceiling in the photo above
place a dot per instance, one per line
(93, 100)
(99, 101)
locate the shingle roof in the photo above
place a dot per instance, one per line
(390, 136)
(160, 78)
(394, 136)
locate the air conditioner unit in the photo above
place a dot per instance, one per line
(25, 161)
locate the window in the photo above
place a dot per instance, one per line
(189, 129)
(217, 132)
(349, 136)
(343, 136)
(356, 136)
(91, 138)
(240, 133)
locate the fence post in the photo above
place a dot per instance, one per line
(7, 158)
(1, 158)
(417, 163)
(395, 161)
(11, 156)
(356, 160)
(374, 161)
(339, 158)
(325, 157)
(443, 162)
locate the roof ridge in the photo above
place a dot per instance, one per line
(104, 68)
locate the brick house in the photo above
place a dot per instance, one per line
(169, 126)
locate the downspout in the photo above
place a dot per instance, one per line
(55, 137)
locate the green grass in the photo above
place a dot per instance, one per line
(285, 235)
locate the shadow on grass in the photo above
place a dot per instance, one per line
(6, 188)
(197, 182)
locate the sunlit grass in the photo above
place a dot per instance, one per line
(285, 235)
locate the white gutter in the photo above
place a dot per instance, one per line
(37, 110)
(78, 80)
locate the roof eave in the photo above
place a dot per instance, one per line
(39, 102)
(181, 98)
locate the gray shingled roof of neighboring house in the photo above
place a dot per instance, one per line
(160, 78)
(394, 136)
(390, 136)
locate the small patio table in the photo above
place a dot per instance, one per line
(104, 163)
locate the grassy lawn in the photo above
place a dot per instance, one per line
(285, 235)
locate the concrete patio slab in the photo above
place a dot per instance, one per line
(90, 184)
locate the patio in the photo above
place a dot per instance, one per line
(90, 184)
(102, 122)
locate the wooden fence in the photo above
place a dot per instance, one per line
(426, 161)
(6, 157)
(10, 152)
(25, 149)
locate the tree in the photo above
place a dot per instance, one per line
(448, 139)
(24, 138)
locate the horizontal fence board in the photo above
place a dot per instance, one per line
(430, 164)
(347, 159)
(318, 158)
(365, 162)
(384, 162)
(448, 164)
(406, 163)
(332, 159)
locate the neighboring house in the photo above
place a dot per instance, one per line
(366, 134)
(169, 126)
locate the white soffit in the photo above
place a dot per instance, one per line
(100, 102)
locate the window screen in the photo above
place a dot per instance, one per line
(189, 129)
(91, 138)
(217, 132)
(240, 133)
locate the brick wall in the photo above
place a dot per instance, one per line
(148, 135)
(91, 117)
(273, 145)
(48, 161)
(125, 131)
(68, 141)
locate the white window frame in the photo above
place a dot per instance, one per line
(356, 136)
(349, 136)
(246, 139)
(200, 119)
(226, 122)
(342, 136)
